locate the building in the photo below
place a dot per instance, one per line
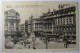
(26, 26)
(48, 23)
(65, 22)
(30, 24)
(12, 20)
(38, 26)
(59, 24)
(22, 28)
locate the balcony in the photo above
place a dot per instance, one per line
(10, 32)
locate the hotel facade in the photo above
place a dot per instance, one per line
(59, 24)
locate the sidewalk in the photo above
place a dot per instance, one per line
(58, 45)
(40, 44)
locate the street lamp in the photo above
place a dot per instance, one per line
(46, 42)
(34, 42)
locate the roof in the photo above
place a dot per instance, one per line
(11, 12)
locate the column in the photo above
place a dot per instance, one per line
(14, 26)
(65, 20)
(8, 26)
(52, 27)
(72, 19)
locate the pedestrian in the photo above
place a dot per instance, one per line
(65, 44)
(24, 44)
(34, 48)
(28, 46)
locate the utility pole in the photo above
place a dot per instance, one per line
(46, 42)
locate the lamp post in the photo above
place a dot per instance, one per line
(46, 42)
(34, 40)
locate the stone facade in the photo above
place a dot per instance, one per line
(12, 20)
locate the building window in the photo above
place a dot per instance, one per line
(69, 13)
(67, 33)
(57, 21)
(64, 20)
(70, 28)
(70, 33)
(67, 28)
(70, 20)
(67, 20)
(61, 28)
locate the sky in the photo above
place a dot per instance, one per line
(25, 9)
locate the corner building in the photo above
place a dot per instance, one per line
(61, 23)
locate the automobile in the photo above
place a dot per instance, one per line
(71, 42)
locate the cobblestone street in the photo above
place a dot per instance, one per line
(39, 44)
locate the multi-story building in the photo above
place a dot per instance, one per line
(60, 23)
(65, 21)
(38, 25)
(12, 20)
(26, 26)
(48, 24)
(22, 28)
(30, 24)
